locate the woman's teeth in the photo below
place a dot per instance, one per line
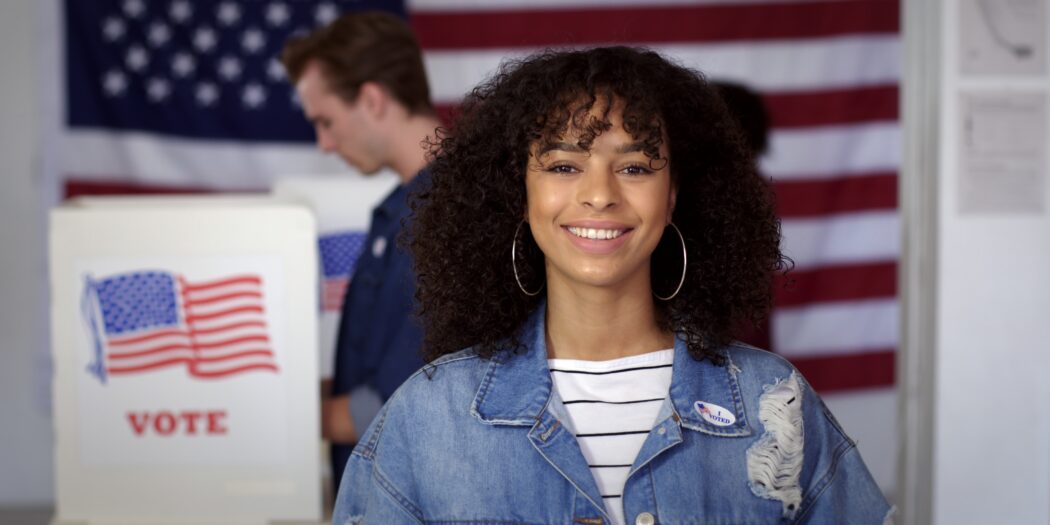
(594, 233)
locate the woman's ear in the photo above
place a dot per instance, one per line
(672, 200)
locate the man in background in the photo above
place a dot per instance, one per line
(362, 85)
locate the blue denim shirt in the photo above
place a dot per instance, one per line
(379, 339)
(471, 440)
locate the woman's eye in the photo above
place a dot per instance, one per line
(636, 170)
(562, 168)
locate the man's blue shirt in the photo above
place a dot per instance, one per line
(379, 338)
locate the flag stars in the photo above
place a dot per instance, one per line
(326, 13)
(228, 13)
(206, 94)
(114, 83)
(159, 34)
(253, 96)
(275, 70)
(134, 8)
(113, 28)
(158, 89)
(229, 68)
(205, 39)
(277, 14)
(253, 40)
(137, 58)
(180, 11)
(183, 64)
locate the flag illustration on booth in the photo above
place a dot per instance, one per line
(339, 254)
(151, 320)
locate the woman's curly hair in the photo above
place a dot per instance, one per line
(465, 220)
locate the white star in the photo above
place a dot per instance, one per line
(159, 34)
(183, 64)
(158, 89)
(114, 82)
(275, 70)
(326, 13)
(207, 93)
(228, 13)
(113, 28)
(229, 68)
(254, 95)
(253, 40)
(205, 39)
(137, 58)
(180, 11)
(134, 8)
(277, 14)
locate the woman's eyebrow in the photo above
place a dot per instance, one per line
(561, 146)
(631, 148)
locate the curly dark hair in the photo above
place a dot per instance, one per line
(465, 220)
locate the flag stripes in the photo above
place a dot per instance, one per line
(567, 26)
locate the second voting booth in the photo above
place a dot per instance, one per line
(185, 349)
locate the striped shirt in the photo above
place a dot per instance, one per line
(612, 407)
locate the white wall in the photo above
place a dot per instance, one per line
(991, 440)
(25, 426)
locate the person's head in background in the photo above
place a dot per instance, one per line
(749, 110)
(363, 87)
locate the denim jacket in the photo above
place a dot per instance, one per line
(472, 440)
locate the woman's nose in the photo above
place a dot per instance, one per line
(599, 190)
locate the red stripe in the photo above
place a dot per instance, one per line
(234, 326)
(836, 283)
(652, 24)
(231, 371)
(225, 297)
(235, 355)
(190, 319)
(150, 351)
(819, 197)
(810, 108)
(149, 366)
(83, 187)
(234, 341)
(196, 287)
(849, 372)
(831, 107)
(147, 337)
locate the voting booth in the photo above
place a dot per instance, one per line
(343, 207)
(185, 349)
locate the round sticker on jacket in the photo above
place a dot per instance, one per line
(714, 414)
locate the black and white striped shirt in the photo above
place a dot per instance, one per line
(612, 406)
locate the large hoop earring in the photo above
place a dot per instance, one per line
(514, 263)
(685, 261)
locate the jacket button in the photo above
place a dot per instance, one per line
(645, 518)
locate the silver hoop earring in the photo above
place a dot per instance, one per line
(685, 260)
(514, 263)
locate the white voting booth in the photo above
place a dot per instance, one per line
(185, 348)
(343, 206)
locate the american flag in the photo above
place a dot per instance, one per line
(178, 95)
(339, 254)
(150, 320)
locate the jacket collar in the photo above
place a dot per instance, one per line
(516, 388)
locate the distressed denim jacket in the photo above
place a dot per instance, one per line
(471, 440)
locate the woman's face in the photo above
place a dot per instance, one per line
(598, 214)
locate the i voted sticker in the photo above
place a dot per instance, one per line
(714, 414)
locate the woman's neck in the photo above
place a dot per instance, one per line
(597, 324)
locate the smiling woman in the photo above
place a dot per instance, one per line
(593, 233)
